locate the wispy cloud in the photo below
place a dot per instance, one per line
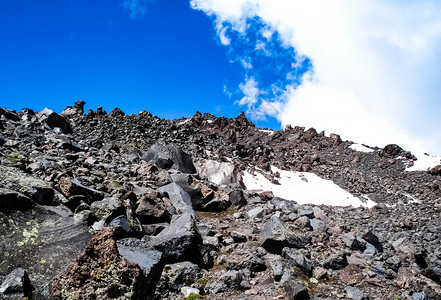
(137, 8)
(369, 70)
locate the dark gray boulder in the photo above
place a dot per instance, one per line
(149, 260)
(180, 239)
(16, 180)
(170, 156)
(52, 119)
(297, 259)
(275, 236)
(16, 285)
(43, 240)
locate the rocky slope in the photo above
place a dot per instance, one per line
(111, 206)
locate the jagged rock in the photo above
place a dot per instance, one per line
(71, 187)
(150, 261)
(107, 209)
(275, 236)
(318, 225)
(180, 238)
(176, 276)
(9, 114)
(391, 150)
(244, 259)
(152, 209)
(16, 285)
(100, 272)
(53, 120)
(256, 213)
(296, 291)
(373, 239)
(78, 109)
(435, 170)
(234, 280)
(336, 261)
(297, 259)
(36, 189)
(237, 198)
(355, 293)
(122, 226)
(170, 156)
(353, 241)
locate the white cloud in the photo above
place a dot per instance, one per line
(376, 75)
(251, 91)
(137, 8)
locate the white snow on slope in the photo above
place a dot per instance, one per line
(304, 188)
(270, 132)
(424, 162)
(361, 148)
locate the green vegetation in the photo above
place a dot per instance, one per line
(203, 281)
(193, 297)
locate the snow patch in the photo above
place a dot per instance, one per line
(270, 132)
(361, 148)
(304, 188)
(424, 162)
(184, 122)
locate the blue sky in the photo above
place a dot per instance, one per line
(160, 56)
(368, 70)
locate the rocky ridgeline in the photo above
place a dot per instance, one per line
(111, 206)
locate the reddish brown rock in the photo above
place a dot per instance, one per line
(100, 273)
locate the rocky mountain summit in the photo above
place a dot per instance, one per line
(114, 206)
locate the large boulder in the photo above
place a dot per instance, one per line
(220, 173)
(42, 240)
(149, 260)
(180, 239)
(275, 236)
(36, 189)
(170, 156)
(101, 272)
(52, 119)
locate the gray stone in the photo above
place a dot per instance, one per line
(275, 236)
(318, 225)
(256, 213)
(355, 293)
(336, 261)
(34, 188)
(180, 238)
(296, 291)
(237, 198)
(297, 259)
(177, 275)
(353, 242)
(420, 296)
(149, 260)
(107, 209)
(170, 156)
(53, 120)
(238, 237)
